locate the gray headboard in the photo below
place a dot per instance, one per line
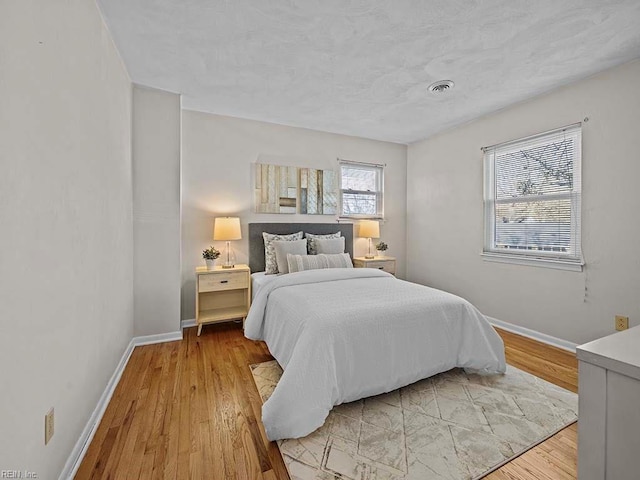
(256, 242)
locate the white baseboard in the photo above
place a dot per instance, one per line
(188, 323)
(158, 338)
(527, 332)
(80, 449)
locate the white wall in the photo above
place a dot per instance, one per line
(66, 303)
(217, 155)
(445, 216)
(156, 211)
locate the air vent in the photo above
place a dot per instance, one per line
(441, 86)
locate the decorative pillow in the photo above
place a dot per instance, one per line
(329, 245)
(270, 262)
(293, 247)
(299, 263)
(311, 239)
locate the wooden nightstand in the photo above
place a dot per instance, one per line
(388, 264)
(222, 294)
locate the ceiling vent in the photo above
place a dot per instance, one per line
(441, 86)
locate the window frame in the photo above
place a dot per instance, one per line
(379, 169)
(541, 258)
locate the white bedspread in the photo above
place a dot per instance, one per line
(345, 334)
(259, 279)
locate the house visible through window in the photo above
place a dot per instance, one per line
(532, 199)
(361, 190)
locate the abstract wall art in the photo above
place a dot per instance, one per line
(318, 191)
(276, 188)
(281, 189)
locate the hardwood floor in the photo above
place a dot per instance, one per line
(190, 410)
(555, 458)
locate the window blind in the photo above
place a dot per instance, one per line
(533, 196)
(361, 190)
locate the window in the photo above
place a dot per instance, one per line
(361, 190)
(532, 200)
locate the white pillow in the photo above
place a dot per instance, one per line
(270, 262)
(312, 237)
(284, 248)
(329, 246)
(299, 263)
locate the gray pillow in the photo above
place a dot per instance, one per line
(284, 247)
(299, 263)
(311, 239)
(329, 245)
(270, 262)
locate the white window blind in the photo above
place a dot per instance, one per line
(533, 196)
(361, 190)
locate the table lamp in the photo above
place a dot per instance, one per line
(227, 229)
(369, 229)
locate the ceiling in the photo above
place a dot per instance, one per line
(362, 67)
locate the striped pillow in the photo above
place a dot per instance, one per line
(300, 263)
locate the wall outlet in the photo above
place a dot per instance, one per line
(622, 322)
(48, 426)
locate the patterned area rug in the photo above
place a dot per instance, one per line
(451, 426)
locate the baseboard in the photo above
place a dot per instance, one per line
(188, 323)
(80, 449)
(535, 335)
(158, 338)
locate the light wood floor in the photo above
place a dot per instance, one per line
(190, 410)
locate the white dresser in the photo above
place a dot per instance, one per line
(609, 407)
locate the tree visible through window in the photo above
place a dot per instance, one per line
(533, 196)
(361, 190)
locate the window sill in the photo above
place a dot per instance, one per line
(360, 217)
(532, 261)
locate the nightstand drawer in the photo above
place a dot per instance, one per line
(387, 266)
(214, 282)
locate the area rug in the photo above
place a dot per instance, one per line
(452, 426)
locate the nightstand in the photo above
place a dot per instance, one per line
(388, 264)
(222, 294)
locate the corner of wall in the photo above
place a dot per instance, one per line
(156, 210)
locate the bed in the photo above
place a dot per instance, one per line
(341, 334)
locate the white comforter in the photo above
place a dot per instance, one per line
(345, 334)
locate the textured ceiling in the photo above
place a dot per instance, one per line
(362, 67)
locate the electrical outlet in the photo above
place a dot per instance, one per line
(48, 426)
(622, 322)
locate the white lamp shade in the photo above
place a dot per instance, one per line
(226, 228)
(369, 229)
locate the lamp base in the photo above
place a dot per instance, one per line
(369, 257)
(231, 258)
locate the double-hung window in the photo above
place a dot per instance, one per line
(532, 196)
(361, 190)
